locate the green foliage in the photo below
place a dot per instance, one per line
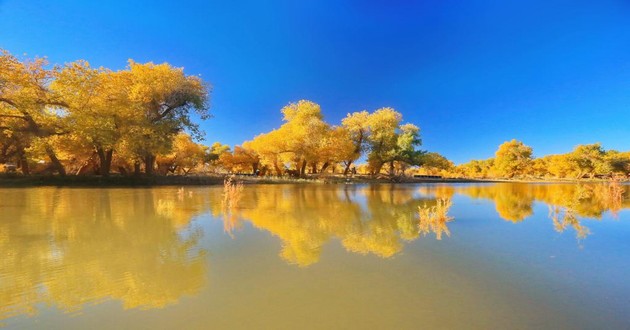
(435, 164)
(390, 142)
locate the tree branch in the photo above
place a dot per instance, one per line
(14, 116)
(168, 110)
(9, 102)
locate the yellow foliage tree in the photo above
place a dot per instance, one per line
(513, 158)
(28, 106)
(185, 156)
(162, 98)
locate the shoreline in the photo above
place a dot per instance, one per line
(16, 181)
(208, 180)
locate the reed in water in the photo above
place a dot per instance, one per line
(232, 194)
(434, 218)
(615, 195)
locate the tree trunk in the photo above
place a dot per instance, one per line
(347, 169)
(149, 164)
(324, 167)
(55, 161)
(254, 168)
(391, 168)
(314, 167)
(136, 168)
(377, 169)
(276, 168)
(302, 169)
(23, 163)
(105, 158)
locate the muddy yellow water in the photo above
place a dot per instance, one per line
(487, 256)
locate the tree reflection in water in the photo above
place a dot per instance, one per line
(564, 217)
(615, 196)
(568, 204)
(71, 247)
(366, 219)
(377, 219)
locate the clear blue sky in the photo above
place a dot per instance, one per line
(471, 74)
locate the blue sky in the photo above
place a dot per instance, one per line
(471, 74)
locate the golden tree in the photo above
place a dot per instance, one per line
(513, 158)
(162, 99)
(27, 104)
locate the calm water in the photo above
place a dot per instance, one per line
(316, 256)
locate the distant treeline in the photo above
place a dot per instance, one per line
(514, 159)
(335, 149)
(75, 119)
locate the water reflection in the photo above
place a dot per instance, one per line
(377, 219)
(514, 201)
(69, 247)
(568, 204)
(565, 217)
(366, 219)
(433, 219)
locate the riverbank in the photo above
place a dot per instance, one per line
(551, 180)
(12, 180)
(194, 180)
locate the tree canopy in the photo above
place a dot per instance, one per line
(79, 119)
(74, 114)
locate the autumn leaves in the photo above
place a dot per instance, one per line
(305, 143)
(83, 120)
(74, 116)
(514, 159)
